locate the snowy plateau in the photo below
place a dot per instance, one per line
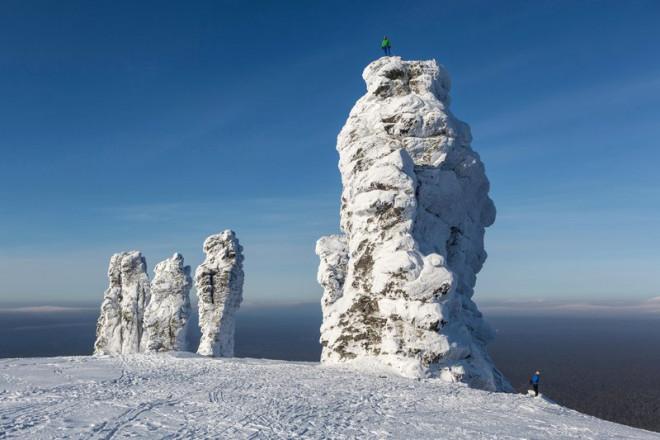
(186, 396)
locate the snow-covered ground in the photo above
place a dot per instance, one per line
(186, 396)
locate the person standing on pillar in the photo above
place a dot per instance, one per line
(386, 46)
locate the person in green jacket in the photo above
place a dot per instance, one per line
(386, 46)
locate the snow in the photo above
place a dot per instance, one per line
(138, 316)
(166, 316)
(219, 284)
(333, 254)
(398, 284)
(119, 328)
(182, 395)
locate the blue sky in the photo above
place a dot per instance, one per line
(150, 125)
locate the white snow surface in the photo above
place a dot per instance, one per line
(219, 284)
(182, 395)
(398, 284)
(166, 315)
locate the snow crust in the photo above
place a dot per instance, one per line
(160, 395)
(119, 328)
(398, 283)
(166, 315)
(219, 284)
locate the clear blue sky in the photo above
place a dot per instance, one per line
(150, 125)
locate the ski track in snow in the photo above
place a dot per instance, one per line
(184, 396)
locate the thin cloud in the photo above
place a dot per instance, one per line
(569, 106)
(649, 307)
(44, 309)
(274, 207)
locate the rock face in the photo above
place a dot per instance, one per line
(119, 328)
(398, 284)
(333, 253)
(167, 314)
(219, 283)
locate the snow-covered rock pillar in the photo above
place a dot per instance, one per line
(398, 285)
(166, 316)
(219, 284)
(333, 253)
(119, 328)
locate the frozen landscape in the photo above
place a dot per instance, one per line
(189, 396)
(403, 343)
(330, 220)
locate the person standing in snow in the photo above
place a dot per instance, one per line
(534, 381)
(386, 46)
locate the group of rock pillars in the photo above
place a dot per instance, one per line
(140, 316)
(398, 281)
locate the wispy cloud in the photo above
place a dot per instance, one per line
(499, 66)
(570, 105)
(648, 307)
(268, 208)
(44, 309)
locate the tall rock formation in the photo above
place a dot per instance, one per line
(398, 284)
(119, 327)
(219, 283)
(166, 316)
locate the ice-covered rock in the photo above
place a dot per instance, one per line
(219, 284)
(398, 285)
(166, 316)
(333, 253)
(119, 328)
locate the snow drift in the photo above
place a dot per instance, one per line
(219, 284)
(398, 283)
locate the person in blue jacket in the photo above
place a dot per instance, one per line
(534, 381)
